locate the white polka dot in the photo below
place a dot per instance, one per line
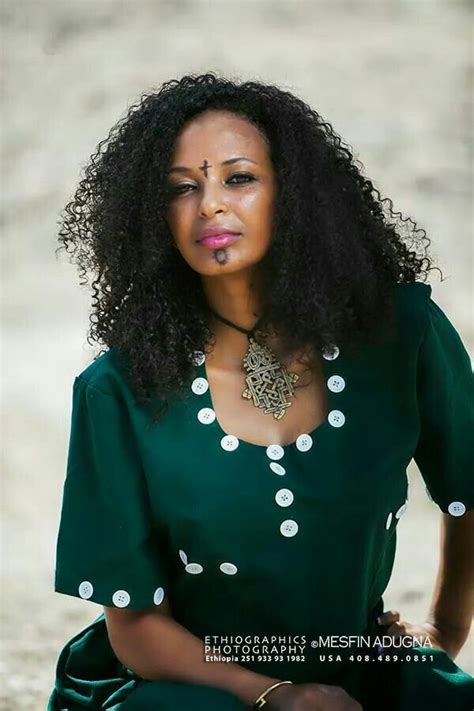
(331, 353)
(336, 418)
(289, 528)
(284, 497)
(388, 521)
(194, 568)
(277, 468)
(158, 596)
(121, 598)
(206, 415)
(229, 443)
(401, 510)
(336, 383)
(199, 386)
(183, 556)
(275, 451)
(198, 357)
(228, 568)
(86, 589)
(304, 442)
(456, 508)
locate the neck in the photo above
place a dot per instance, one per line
(237, 298)
(234, 296)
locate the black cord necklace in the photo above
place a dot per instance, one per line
(234, 325)
(269, 383)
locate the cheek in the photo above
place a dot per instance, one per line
(180, 222)
(175, 215)
(256, 210)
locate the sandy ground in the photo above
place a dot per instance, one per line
(394, 79)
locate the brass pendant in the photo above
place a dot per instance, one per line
(269, 383)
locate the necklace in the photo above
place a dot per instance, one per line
(268, 383)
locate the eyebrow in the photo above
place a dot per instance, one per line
(182, 169)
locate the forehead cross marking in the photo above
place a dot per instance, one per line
(205, 167)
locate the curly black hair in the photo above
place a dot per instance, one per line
(329, 272)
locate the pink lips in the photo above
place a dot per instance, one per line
(219, 240)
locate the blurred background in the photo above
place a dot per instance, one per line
(394, 78)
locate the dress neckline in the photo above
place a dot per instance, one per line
(302, 442)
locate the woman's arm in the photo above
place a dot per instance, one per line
(154, 646)
(452, 605)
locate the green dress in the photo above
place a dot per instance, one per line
(266, 549)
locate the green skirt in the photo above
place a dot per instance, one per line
(89, 676)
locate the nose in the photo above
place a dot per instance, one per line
(213, 199)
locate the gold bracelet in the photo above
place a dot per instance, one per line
(261, 701)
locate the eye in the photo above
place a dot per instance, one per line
(178, 189)
(248, 177)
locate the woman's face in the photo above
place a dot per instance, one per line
(221, 177)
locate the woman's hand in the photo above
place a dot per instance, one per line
(311, 697)
(449, 642)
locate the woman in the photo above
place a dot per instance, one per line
(238, 453)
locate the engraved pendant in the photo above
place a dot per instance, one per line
(269, 383)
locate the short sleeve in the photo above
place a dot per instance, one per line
(107, 547)
(445, 394)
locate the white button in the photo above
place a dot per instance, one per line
(183, 556)
(275, 451)
(206, 415)
(228, 568)
(199, 386)
(304, 442)
(198, 357)
(194, 568)
(401, 510)
(284, 497)
(336, 383)
(85, 589)
(121, 598)
(388, 521)
(158, 596)
(336, 418)
(277, 468)
(331, 353)
(456, 508)
(229, 443)
(289, 528)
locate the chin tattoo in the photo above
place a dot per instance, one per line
(221, 256)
